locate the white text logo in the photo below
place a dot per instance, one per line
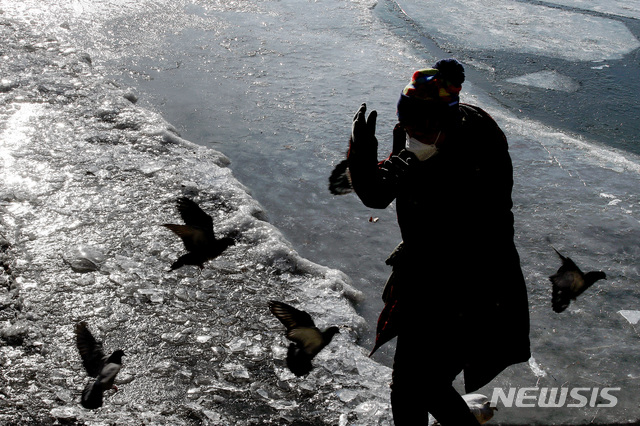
(555, 397)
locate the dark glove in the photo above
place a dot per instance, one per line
(397, 166)
(363, 130)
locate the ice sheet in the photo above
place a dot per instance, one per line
(525, 27)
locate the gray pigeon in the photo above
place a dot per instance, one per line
(308, 339)
(480, 406)
(570, 282)
(197, 235)
(104, 368)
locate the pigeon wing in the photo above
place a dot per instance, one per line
(567, 280)
(340, 179)
(309, 338)
(289, 316)
(192, 237)
(91, 350)
(560, 296)
(567, 264)
(193, 215)
(559, 254)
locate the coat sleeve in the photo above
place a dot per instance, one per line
(375, 182)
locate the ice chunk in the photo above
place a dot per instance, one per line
(164, 368)
(236, 371)
(175, 338)
(551, 80)
(536, 369)
(238, 344)
(85, 258)
(283, 405)
(64, 413)
(632, 316)
(371, 409)
(203, 338)
(154, 295)
(212, 415)
(346, 395)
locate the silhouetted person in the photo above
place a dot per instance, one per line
(570, 282)
(308, 339)
(197, 235)
(450, 175)
(104, 368)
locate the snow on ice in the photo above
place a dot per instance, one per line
(88, 177)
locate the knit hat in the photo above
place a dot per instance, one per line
(432, 91)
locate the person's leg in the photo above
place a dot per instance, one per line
(407, 399)
(422, 384)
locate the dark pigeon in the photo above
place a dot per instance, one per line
(197, 235)
(570, 282)
(340, 179)
(308, 339)
(104, 368)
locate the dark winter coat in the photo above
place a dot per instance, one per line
(457, 275)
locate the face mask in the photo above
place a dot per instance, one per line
(420, 149)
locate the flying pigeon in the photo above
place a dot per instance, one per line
(570, 282)
(197, 235)
(480, 407)
(103, 367)
(308, 339)
(340, 179)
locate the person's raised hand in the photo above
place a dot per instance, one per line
(363, 131)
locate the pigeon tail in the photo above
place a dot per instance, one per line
(92, 395)
(298, 361)
(188, 259)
